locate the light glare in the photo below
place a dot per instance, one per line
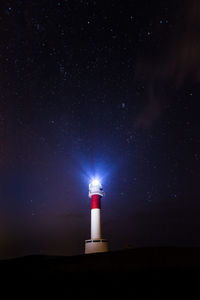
(96, 182)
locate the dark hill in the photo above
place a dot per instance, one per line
(145, 271)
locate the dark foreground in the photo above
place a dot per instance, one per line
(148, 273)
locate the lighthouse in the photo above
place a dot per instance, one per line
(96, 243)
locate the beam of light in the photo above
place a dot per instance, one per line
(95, 182)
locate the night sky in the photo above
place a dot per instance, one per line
(99, 88)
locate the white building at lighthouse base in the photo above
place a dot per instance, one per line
(96, 245)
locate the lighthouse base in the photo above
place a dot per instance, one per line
(96, 245)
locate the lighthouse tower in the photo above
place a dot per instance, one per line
(96, 243)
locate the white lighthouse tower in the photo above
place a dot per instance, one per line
(96, 243)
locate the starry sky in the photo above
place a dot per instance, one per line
(99, 88)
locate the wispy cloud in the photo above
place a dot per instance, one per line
(178, 61)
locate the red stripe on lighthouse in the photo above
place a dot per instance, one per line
(95, 201)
